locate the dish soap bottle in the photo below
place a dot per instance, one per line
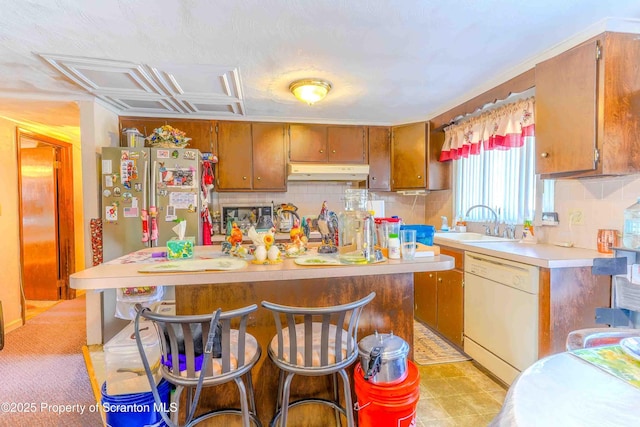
(445, 224)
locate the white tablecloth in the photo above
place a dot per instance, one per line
(564, 390)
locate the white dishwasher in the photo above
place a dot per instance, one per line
(500, 314)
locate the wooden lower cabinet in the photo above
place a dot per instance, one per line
(450, 305)
(438, 302)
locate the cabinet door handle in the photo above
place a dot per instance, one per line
(321, 151)
(440, 279)
(419, 176)
(259, 178)
(544, 155)
(244, 177)
(373, 178)
(430, 275)
(333, 151)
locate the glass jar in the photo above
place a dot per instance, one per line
(356, 228)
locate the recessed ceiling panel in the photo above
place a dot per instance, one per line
(140, 88)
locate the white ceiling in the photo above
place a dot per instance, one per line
(389, 61)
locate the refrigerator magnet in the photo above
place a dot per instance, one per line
(162, 154)
(137, 187)
(106, 193)
(111, 213)
(108, 180)
(189, 155)
(171, 213)
(117, 191)
(106, 167)
(130, 212)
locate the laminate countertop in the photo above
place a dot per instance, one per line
(539, 254)
(124, 271)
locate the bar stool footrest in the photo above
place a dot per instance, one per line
(310, 400)
(226, 411)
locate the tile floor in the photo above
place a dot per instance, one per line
(457, 394)
(451, 394)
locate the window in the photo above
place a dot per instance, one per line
(501, 179)
(494, 156)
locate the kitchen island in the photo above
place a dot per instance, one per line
(285, 283)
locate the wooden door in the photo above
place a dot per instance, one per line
(307, 143)
(380, 158)
(425, 298)
(408, 156)
(39, 216)
(566, 113)
(269, 157)
(234, 156)
(347, 144)
(450, 305)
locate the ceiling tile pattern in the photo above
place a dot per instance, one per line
(132, 88)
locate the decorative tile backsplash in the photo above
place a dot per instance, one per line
(308, 197)
(601, 201)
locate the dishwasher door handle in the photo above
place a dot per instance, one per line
(501, 264)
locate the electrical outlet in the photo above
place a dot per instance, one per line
(576, 217)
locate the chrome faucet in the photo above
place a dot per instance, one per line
(496, 229)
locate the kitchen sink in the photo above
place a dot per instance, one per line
(470, 237)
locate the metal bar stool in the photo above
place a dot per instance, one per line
(314, 341)
(204, 351)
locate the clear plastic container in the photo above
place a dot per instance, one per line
(356, 228)
(631, 230)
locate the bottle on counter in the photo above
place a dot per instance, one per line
(394, 246)
(631, 230)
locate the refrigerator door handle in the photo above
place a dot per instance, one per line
(153, 211)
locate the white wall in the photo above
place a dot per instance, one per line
(9, 227)
(99, 128)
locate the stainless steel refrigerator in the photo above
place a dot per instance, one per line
(144, 192)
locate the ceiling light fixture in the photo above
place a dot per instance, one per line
(310, 90)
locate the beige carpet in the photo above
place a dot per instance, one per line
(44, 378)
(429, 348)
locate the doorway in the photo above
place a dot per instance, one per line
(46, 217)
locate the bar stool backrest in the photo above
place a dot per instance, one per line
(322, 336)
(184, 338)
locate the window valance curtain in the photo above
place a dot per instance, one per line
(501, 129)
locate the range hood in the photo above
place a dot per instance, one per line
(327, 172)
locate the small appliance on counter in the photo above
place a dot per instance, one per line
(245, 215)
(286, 217)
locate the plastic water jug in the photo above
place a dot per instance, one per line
(631, 230)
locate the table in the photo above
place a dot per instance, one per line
(566, 390)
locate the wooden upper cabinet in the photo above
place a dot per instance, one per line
(327, 143)
(200, 131)
(566, 99)
(269, 157)
(307, 143)
(379, 158)
(251, 156)
(347, 144)
(414, 158)
(234, 167)
(588, 109)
